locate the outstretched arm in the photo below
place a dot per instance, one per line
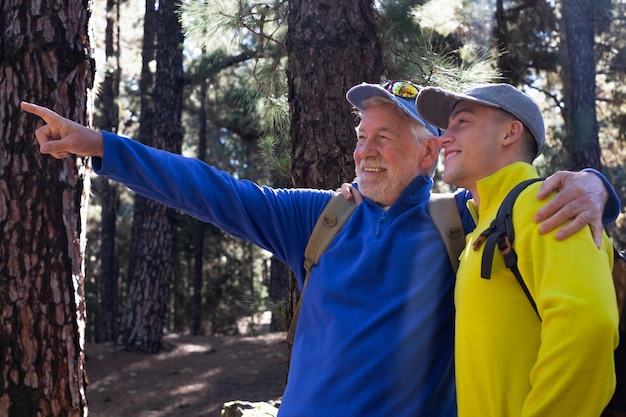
(581, 197)
(61, 137)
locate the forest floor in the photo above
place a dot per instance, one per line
(193, 377)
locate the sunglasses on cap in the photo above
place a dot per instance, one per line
(404, 89)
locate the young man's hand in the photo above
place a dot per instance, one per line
(349, 193)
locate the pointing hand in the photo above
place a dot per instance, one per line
(61, 137)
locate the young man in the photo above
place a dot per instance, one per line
(509, 361)
(375, 333)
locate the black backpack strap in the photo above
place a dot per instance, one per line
(500, 233)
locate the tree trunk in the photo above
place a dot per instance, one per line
(44, 58)
(109, 275)
(148, 293)
(501, 37)
(279, 291)
(331, 46)
(196, 302)
(146, 132)
(579, 84)
(108, 280)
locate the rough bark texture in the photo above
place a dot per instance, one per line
(579, 84)
(108, 280)
(148, 294)
(44, 58)
(332, 45)
(146, 133)
(199, 234)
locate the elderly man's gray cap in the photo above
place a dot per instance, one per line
(435, 105)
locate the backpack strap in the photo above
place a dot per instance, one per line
(442, 208)
(445, 214)
(619, 281)
(500, 233)
(329, 223)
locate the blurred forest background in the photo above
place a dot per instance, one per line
(235, 116)
(258, 90)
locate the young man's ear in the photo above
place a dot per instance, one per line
(513, 132)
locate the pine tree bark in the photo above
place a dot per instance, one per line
(148, 294)
(108, 279)
(44, 58)
(579, 84)
(331, 46)
(198, 256)
(146, 132)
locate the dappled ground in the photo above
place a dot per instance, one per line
(193, 378)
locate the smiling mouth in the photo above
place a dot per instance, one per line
(451, 154)
(373, 169)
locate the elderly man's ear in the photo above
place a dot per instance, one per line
(430, 152)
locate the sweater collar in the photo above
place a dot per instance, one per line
(495, 187)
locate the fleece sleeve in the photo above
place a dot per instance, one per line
(572, 285)
(278, 220)
(613, 205)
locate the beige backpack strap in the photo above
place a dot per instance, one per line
(330, 222)
(445, 214)
(443, 211)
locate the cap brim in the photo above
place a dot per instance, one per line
(359, 93)
(435, 105)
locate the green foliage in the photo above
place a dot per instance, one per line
(231, 24)
(530, 57)
(228, 28)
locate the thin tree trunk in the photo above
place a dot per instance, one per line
(501, 36)
(44, 58)
(579, 84)
(196, 302)
(148, 294)
(108, 280)
(146, 131)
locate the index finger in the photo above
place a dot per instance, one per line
(46, 114)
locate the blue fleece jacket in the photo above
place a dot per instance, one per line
(375, 334)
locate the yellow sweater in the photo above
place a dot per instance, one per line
(508, 362)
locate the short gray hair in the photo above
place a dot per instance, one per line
(420, 132)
